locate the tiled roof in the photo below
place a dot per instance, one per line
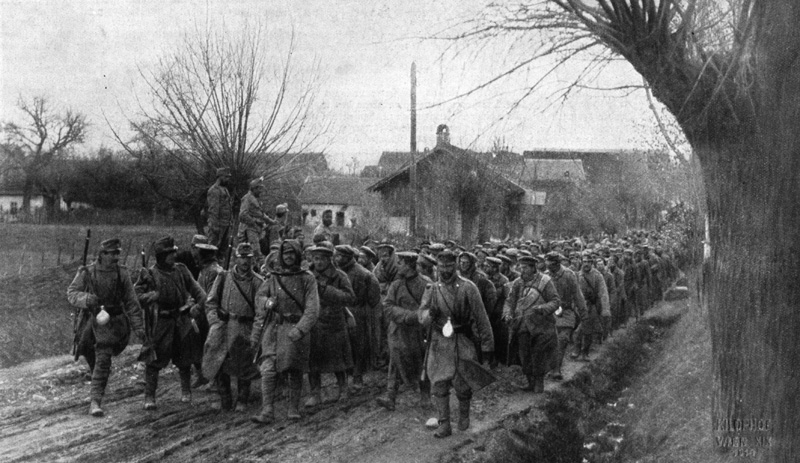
(335, 190)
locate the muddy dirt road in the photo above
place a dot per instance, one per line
(44, 405)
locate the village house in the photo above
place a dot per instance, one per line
(344, 196)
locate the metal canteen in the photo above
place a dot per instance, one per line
(447, 329)
(103, 317)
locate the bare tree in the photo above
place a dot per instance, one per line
(220, 100)
(728, 71)
(33, 147)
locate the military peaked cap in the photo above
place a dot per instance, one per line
(164, 245)
(111, 245)
(244, 250)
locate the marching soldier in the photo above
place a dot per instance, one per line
(595, 292)
(330, 344)
(365, 337)
(467, 268)
(172, 294)
(406, 334)
(573, 308)
(104, 292)
(231, 311)
(530, 308)
(451, 307)
(501, 286)
(287, 307)
(219, 205)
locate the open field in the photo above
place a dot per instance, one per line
(27, 249)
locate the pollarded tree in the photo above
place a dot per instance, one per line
(728, 71)
(222, 99)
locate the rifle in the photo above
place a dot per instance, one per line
(76, 321)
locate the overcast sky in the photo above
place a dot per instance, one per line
(85, 54)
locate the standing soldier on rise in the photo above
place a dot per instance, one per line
(104, 293)
(219, 212)
(252, 219)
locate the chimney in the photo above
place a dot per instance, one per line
(442, 135)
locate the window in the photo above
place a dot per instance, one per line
(313, 212)
(340, 219)
(14, 207)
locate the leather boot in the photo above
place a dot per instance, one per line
(343, 393)
(94, 408)
(425, 395)
(293, 410)
(150, 386)
(243, 394)
(315, 395)
(530, 385)
(463, 414)
(538, 384)
(387, 399)
(186, 385)
(224, 389)
(443, 410)
(267, 414)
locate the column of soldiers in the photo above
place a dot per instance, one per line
(433, 315)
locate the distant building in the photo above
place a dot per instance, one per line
(458, 195)
(344, 196)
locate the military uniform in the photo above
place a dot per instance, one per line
(287, 308)
(406, 337)
(230, 310)
(595, 292)
(99, 342)
(365, 337)
(459, 301)
(219, 205)
(531, 306)
(252, 221)
(173, 337)
(573, 309)
(330, 343)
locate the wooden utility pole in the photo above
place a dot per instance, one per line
(412, 173)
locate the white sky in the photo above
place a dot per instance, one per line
(85, 54)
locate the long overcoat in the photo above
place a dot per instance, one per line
(174, 337)
(460, 300)
(330, 342)
(593, 287)
(406, 333)
(365, 337)
(112, 288)
(573, 304)
(285, 301)
(230, 309)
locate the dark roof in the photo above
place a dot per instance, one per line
(445, 149)
(597, 164)
(348, 191)
(391, 161)
(528, 171)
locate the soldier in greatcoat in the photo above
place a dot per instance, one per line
(367, 258)
(530, 310)
(406, 333)
(573, 308)
(611, 287)
(230, 309)
(287, 307)
(170, 292)
(219, 213)
(455, 303)
(386, 269)
(201, 261)
(595, 292)
(468, 268)
(104, 287)
(330, 343)
(499, 328)
(365, 336)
